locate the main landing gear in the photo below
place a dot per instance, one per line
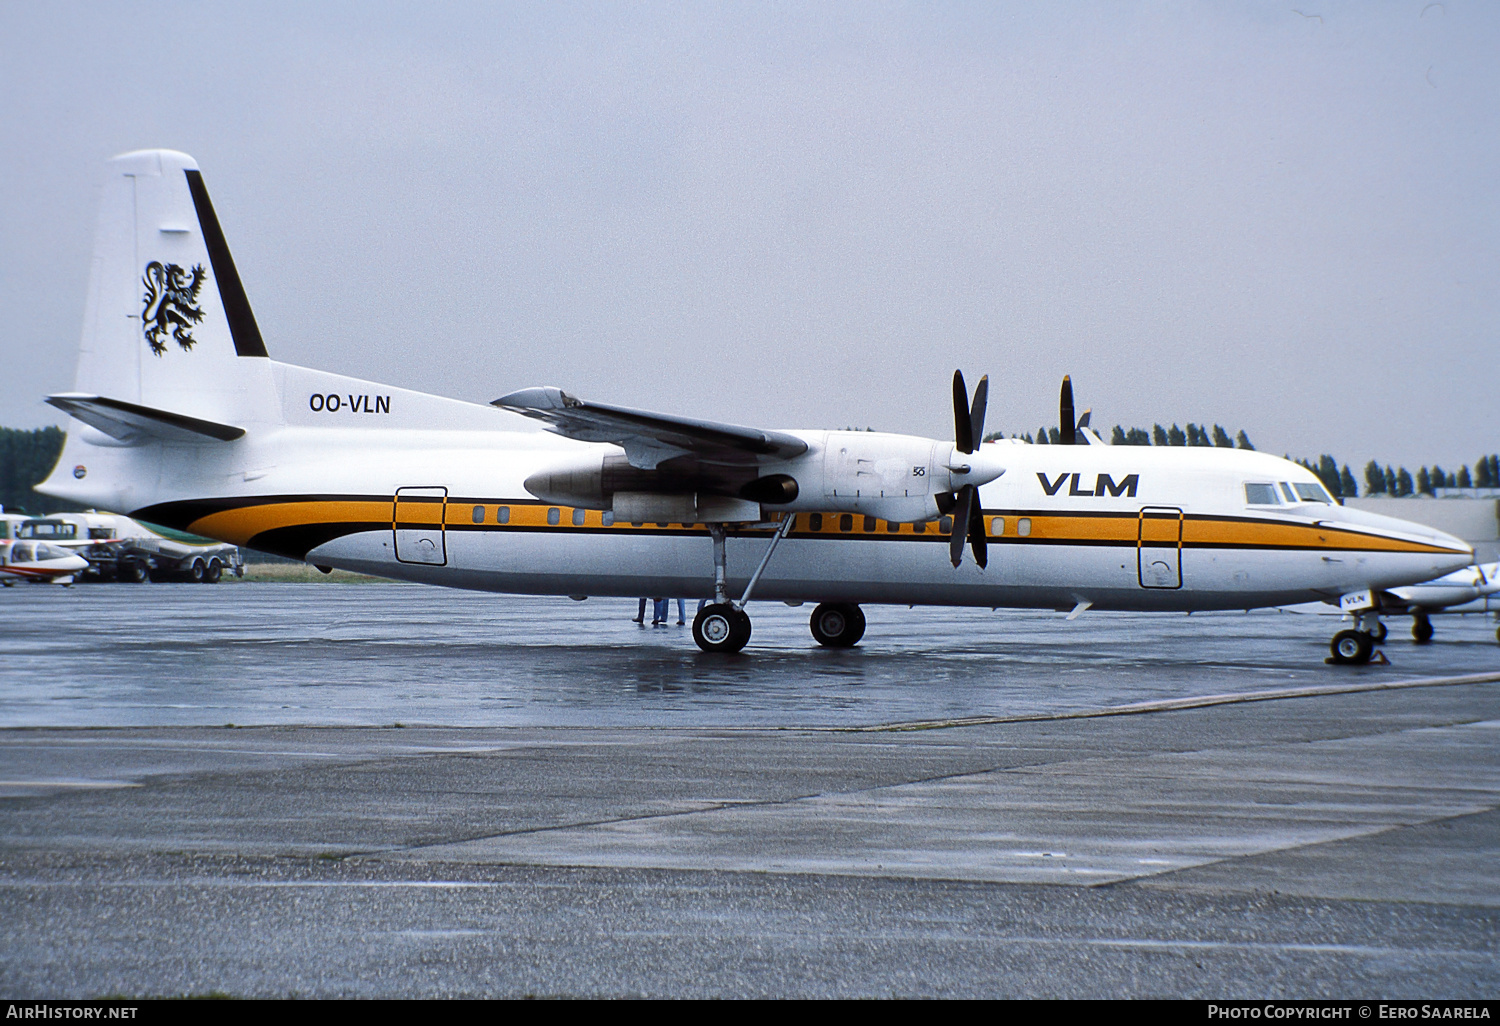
(723, 626)
(1354, 648)
(837, 624)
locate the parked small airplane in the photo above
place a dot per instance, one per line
(38, 562)
(1474, 589)
(183, 420)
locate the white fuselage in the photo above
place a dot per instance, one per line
(1170, 530)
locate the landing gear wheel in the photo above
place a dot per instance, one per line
(197, 571)
(1378, 633)
(1352, 647)
(837, 624)
(1421, 629)
(214, 572)
(721, 628)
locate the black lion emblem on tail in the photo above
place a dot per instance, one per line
(171, 307)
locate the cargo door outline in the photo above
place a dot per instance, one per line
(417, 516)
(1158, 547)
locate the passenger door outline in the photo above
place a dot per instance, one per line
(417, 525)
(1158, 547)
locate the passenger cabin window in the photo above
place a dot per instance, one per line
(502, 515)
(47, 529)
(945, 525)
(869, 524)
(578, 516)
(1023, 527)
(554, 516)
(893, 527)
(478, 516)
(815, 522)
(846, 522)
(997, 526)
(607, 518)
(1261, 495)
(1313, 493)
(919, 527)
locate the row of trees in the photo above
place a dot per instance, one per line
(1398, 481)
(1158, 435)
(26, 457)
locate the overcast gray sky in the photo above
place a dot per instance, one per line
(807, 215)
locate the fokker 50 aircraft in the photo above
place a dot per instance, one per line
(185, 421)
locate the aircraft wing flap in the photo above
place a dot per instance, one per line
(132, 424)
(650, 438)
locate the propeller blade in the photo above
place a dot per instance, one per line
(976, 413)
(961, 517)
(963, 426)
(1065, 421)
(977, 538)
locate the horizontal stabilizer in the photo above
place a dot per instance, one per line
(650, 438)
(132, 424)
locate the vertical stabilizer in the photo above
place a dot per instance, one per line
(167, 324)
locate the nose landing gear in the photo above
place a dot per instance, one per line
(1356, 647)
(1352, 647)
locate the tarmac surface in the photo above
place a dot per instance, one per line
(969, 804)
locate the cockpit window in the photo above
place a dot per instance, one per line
(1261, 495)
(1313, 493)
(1286, 490)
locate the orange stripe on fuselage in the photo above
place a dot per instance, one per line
(238, 526)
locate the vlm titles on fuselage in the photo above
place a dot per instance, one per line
(181, 418)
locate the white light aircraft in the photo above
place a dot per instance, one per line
(1474, 589)
(38, 562)
(185, 421)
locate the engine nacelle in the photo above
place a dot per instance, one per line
(894, 477)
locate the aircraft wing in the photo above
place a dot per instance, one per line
(650, 438)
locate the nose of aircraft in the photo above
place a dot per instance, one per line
(1445, 553)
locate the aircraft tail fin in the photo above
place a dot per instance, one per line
(168, 326)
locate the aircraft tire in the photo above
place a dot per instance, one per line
(837, 624)
(721, 628)
(1421, 629)
(214, 571)
(1352, 648)
(197, 570)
